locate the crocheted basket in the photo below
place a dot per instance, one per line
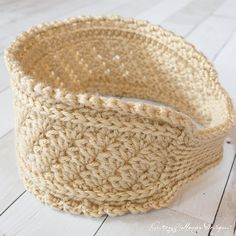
(84, 152)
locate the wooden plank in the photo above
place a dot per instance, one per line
(4, 77)
(6, 111)
(10, 184)
(212, 34)
(133, 8)
(225, 64)
(225, 219)
(13, 14)
(201, 197)
(225, 222)
(163, 10)
(63, 10)
(184, 21)
(13, 5)
(5, 17)
(29, 217)
(158, 222)
(101, 7)
(228, 9)
(39, 6)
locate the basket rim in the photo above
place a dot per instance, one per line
(95, 101)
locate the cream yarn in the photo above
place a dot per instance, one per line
(83, 152)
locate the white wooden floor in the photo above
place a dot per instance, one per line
(207, 206)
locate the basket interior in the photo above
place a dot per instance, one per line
(118, 59)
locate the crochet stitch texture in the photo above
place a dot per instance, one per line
(83, 152)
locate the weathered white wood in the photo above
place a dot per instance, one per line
(163, 10)
(36, 12)
(228, 9)
(10, 184)
(232, 136)
(75, 8)
(201, 197)
(29, 217)
(4, 77)
(198, 202)
(5, 17)
(133, 8)
(6, 111)
(212, 34)
(190, 16)
(225, 223)
(53, 12)
(158, 222)
(97, 8)
(226, 67)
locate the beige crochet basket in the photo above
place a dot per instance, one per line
(84, 152)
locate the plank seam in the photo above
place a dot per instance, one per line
(100, 225)
(222, 196)
(224, 45)
(12, 203)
